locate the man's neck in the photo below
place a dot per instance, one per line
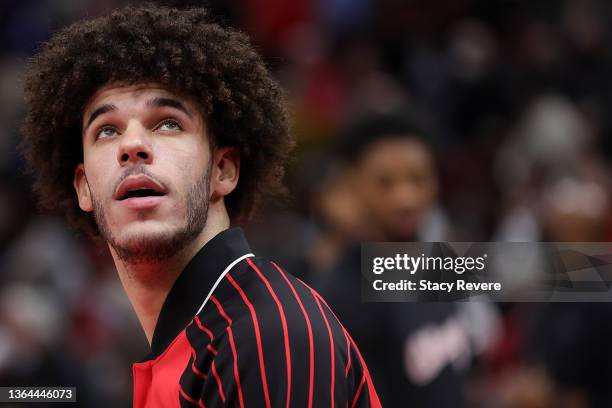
(147, 284)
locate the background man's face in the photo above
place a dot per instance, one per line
(397, 183)
(146, 170)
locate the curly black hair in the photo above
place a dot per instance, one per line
(181, 50)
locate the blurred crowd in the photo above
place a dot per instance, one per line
(458, 120)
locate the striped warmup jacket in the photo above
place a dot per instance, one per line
(238, 331)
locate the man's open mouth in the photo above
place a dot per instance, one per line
(145, 192)
(139, 186)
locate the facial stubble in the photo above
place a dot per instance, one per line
(162, 246)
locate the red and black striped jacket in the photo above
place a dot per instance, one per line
(238, 331)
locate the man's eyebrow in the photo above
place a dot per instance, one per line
(100, 110)
(161, 102)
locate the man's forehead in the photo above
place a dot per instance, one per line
(135, 93)
(396, 143)
(117, 93)
(397, 151)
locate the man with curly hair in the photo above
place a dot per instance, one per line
(169, 128)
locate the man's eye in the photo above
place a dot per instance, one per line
(169, 125)
(106, 131)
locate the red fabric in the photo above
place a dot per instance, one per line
(156, 382)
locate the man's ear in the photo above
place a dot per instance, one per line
(82, 188)
(225, 172)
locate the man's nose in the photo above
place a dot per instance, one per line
(135, 146)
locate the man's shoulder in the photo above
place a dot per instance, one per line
(262, 316)
(260, 291)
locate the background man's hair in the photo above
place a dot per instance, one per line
(181, 50)
(359, 134)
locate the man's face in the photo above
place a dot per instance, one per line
(397, 183)
(146, 170)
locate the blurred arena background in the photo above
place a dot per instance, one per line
(516, 97)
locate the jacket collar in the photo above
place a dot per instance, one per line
(194, 285)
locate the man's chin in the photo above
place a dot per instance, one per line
(149, 230)
(147, 244)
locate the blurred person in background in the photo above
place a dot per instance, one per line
(556, 188)
(567, 340)
(417, 352)
(559, 356)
